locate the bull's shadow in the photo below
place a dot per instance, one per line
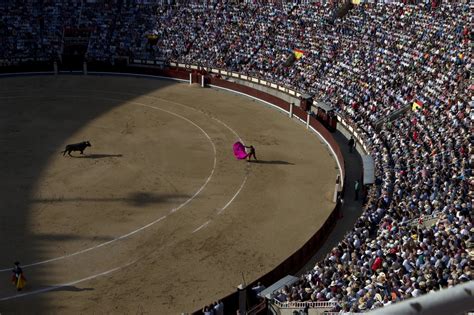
(96, 156)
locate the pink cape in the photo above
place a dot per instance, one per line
(239, 151)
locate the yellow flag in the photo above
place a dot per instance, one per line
(416, 106)
(298, 53)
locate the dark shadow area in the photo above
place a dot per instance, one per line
(96, 156)
(37, 119)
(64, 237)
(277, 162)
(141, 198)
(135, 199)
(39, 289)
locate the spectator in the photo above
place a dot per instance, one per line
(356, 190)
(351, 144)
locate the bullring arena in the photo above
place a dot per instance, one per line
(157, 215)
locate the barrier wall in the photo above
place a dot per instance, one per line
(26, 67)
(298, 259)
(249, 91)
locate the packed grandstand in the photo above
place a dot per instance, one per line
(375, 60)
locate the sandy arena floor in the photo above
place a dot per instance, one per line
(157, 216)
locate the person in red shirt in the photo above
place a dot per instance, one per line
(377, 263)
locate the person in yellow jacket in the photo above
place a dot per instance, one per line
(18, 279)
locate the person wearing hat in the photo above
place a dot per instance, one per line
(18, 279)
(362, 306)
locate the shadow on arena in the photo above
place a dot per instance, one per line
(17, 191)
(136, 199)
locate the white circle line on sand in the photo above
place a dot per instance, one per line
(147, 96)
(149, 224)
(320, 136)
(202, 226)
(59, 286)
(205, 224)
(238, 137)
(235, 195)
(192, 108)
(172, 210)
(209, 138)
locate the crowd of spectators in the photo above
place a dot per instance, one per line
(374, 61)
(24, 32)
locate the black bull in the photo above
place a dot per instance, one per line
(76, 147)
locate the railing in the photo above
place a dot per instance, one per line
(148, 62)
(15, 61)
(240, 76)
(257, 308)
(423, 218)
(392, 116)
(299, 305)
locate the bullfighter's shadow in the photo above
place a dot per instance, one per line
(277, 162)
(96, 156)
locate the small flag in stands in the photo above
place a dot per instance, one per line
(298, 53)
(416, 105)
